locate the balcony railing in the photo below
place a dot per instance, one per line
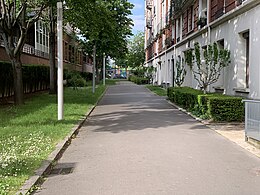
(159, 27)
(29, 49)
(149, 4)
(167, 18)
(178, 5)
(149, 22)
(239, 2)
(150, 40)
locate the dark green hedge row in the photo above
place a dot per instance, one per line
(35, 78)
(139, 80)
(217, 107)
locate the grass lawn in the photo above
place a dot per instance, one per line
(158, 90)
(29, 133)
(113, 81)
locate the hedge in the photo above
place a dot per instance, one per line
(139, 80)
(213, 106)
(185, 97)
(226, 108)
(35, 78)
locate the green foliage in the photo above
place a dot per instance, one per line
(226, 108)
(185, 97)
(208, 69)
(180, 73)
(35, 78)
(29, 133)
(74, 79)
(136, 54)
(139, 80)
(213, 106)
(105, 24)
(157, 89)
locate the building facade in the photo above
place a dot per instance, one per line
(36, 49)
(174, 26)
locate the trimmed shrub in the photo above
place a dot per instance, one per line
(226, 108)
(185, 97)
(213, 106)
(139, 80)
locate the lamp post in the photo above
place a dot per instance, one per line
(60, 60)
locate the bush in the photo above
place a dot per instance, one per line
(226, 108)
(74, 79)
(213, 106)
(139, 80)
(185, 97)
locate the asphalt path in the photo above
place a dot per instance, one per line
(135, 143)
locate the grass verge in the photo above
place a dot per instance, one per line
(157, 89)
(29, 133)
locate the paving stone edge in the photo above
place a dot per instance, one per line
(32, 183)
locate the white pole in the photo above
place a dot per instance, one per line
(60, 60)
(104, 69)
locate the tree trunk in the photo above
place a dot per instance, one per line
(53, 74)
(18, 80)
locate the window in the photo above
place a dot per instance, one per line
(246, 37)
(190, 18)
(42, 37)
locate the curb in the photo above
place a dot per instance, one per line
(34, 181)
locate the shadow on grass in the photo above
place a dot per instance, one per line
(10, 115)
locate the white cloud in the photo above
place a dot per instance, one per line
(138, 22)
(138, 6)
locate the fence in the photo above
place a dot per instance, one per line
(252, 119)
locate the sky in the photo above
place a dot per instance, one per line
(138, 15)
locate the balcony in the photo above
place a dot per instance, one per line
(149, 4)
(159, 27)
(167, 18)
(177, 6)
(168, 42)
(150, 40)
(149, 22)
(239, 2)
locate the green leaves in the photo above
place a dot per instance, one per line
(209, 65)
(102, 22)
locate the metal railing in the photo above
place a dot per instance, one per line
(149, 22)
(149, 4)
(252, 119)
(28, 49)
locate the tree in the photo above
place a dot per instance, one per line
(208, 69)
(136, 54)
(180, 73)
(104, 24)
(52, 53)
(16, 17)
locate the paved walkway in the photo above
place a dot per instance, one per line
(135, 143)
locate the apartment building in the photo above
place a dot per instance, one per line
(173, 26)
(36, 49)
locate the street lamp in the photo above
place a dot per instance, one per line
(60, 60)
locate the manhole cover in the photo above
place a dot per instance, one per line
(62, 171)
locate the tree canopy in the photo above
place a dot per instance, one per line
(104, 23)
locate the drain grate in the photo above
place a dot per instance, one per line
(63, 169)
